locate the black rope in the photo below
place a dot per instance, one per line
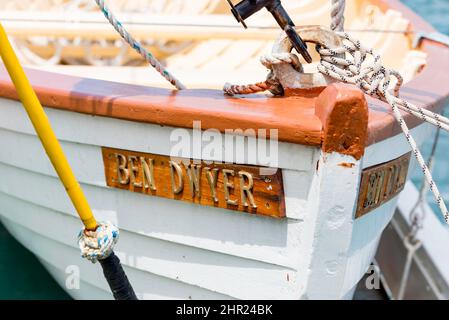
(118, 281)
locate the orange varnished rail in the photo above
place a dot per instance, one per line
(294, 117)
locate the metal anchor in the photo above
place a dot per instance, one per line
(246, 8)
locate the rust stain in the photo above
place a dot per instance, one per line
(343, 111)
(303, 92)
(347, 164)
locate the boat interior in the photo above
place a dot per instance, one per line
(199, 61)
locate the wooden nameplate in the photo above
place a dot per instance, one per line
(221, 185)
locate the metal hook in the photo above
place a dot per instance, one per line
(246, 8)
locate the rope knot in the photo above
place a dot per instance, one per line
(99, 244)
(271, 59)
(362, 67)
(271, 83)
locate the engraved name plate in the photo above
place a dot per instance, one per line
(381, 183)
(229, 186)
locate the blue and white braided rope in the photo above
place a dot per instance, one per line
(136, 45)
(374, 79)
(99, 244)
(338, 15)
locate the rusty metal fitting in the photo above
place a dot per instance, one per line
(291, 78)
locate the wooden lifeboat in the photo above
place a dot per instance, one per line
(211, 220)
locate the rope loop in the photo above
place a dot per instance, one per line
(271, 84)
(99, 244)
(271, 59)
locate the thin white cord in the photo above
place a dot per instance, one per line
(136, 45)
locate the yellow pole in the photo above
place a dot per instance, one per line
(44, 131)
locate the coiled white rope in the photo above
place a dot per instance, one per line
(374, 79)
(136, 45)
(99, 244)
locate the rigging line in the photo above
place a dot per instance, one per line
(136, 45)
(134, 23)
(417, 218)
(138, 23)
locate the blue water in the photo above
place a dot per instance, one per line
(437, 13)
(23, 277)
(434, 11)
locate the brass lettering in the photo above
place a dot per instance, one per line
(381, 183)
(175, 169)
(389, 188)
(402, 176)
(133, 171)
(122, 171)
(379, 187)
(246, 190)
(370, 193)
(212, 178)
(194, 177)
(228, 186)
(148, 174)
(394, 178)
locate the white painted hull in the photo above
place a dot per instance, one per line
(177, 250)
